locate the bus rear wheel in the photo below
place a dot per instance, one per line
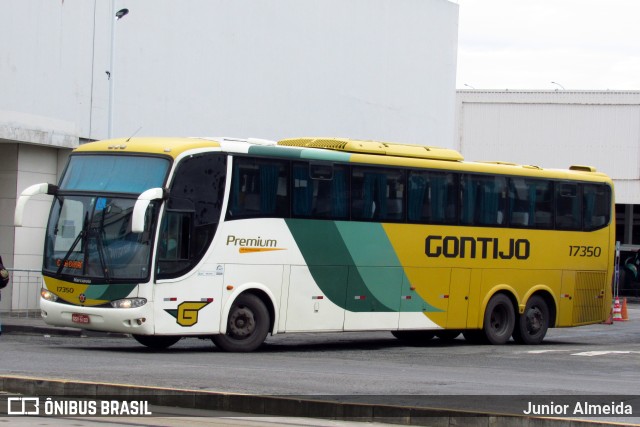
(157, 342)
(532, 325)
(247, 325)
(499, 319)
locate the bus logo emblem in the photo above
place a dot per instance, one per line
(187, 312)
(82, 298)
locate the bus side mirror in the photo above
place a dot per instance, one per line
(29, 192)
(140, 208)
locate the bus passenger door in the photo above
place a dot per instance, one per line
(316, 301)
(373, 298)
(458, 298)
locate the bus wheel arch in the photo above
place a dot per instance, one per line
(268, 302)
(538, 316)
(250, 319)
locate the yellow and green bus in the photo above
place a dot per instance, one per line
(229, 239)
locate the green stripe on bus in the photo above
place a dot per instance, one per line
(300, 153)
(109, 292)
(375, 281)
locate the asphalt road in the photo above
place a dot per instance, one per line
(597, 360)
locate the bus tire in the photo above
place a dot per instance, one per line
(533, 324)
(414, 337)
(499, 319)
(157, 342)
(247, 325)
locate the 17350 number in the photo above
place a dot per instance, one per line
(585, 251)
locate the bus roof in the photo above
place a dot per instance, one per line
(375, 147)
(340, 150)
(172, 147)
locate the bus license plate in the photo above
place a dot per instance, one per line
(80, 318)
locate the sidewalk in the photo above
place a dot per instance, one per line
(31, 323)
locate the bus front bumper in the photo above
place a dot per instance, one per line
(122, 320)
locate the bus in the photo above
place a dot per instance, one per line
(235, 239)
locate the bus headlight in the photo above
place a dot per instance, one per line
(128, 303)
(48, 295)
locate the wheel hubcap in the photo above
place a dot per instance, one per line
(498, 319)
(534, 320)
(241, 322)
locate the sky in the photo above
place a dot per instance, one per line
(528, 44)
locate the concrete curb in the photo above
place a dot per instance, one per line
(278, 405)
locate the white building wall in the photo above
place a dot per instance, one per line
(35, 165)
(8, 173)
(382, 69)
(555, 129)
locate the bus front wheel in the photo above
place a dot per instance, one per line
(533, 323)
(499, 319)
(157, 342)
(247, 325)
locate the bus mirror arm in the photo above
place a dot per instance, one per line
(140, 208)
(26, 194)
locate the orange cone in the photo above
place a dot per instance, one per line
(617, 311)
(623, 310)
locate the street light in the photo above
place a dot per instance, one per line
(558, 84)
(117, 16)
(121, 13)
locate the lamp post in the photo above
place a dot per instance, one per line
(558, 84)
(110, 75)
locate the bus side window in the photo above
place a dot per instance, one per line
(597, 202)
(521, 209)
(531, 201)
(568, 206)
(192, 213)
(483, 200)
(174, 236)
(377, 194)
(174, 244)
(432, 197)
(543, 211)
(320, 191)
(260, 188)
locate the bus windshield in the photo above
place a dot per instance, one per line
(89, 232)
(115, 174)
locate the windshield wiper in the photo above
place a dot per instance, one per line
(79, 237)
(100, 248)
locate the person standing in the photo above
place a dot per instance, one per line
(4, 281)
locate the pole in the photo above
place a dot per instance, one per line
(115, 16)
(616, 281)
(110, 73)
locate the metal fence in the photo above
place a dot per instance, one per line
(24, 292)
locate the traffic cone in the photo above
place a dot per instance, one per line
(623, 310)
(617, 311)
